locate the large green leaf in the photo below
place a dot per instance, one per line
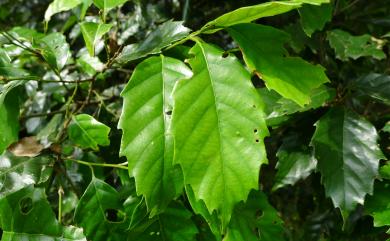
(251, 13)
(161, 37)
(174, 224)
(374, 85)
(58, 6)
(345, 146)
(218, 130)
(378, 205)
(19, 172)
(263, 50)
(87, 132)
(314, 18)
(9, 114)
(54, 49)
(295, 161)
(147, 141)
(255, 220)
(27, 215)
(92, 33)
(92, 210)
(348, 46)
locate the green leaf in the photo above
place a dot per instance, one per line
(295, 162)
(27, 215)
(378, 205)
(147, 141)
(251, 13)
(345, 146)
(9, 114)
(348, 46)
(248, 225)
(58, 6)
(90, 65)
(54, 49)
(87, 132)
(92, 210)
(174, 224)
(19, 172)
(163, 36)
(386, 128)
(218, 130)
(374, 85)
(7, 69)
(314, 18)
(291, 77)
(107, 5)
(92, 33)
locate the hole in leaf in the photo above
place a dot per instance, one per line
(168, 112)
(257, 140)
(259, 213)
(225, 54)
(113, 215)
(254, 106)
(26, 205)
(255, 130)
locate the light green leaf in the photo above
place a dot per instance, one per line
(27, 215)
(107, 5)
(251, 13)
(348, 46)
(87, 132)
(174, 224)
(147, 141)
(163, 36)
(263, 51)
(90, 65)
(58, 6)
(378, 205)
(248, 225)
(54, 49)
(345, 146)
(376, 86)
(9, 114)
(92, 33)
(19, 172)
(314, 18)
(92, 210)
(218, 130)
(295, 161)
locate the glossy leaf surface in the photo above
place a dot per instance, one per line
(54, 49)
(218, 131)
(345, 146)
(147, 141)
(58, 6)
(263, 51)
(374, 85)
(87, 132)
(92, 33)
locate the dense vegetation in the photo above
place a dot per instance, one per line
(182, 120)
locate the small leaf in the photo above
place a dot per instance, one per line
(163, 36)
(263, 50)
(374, 85)
(19, 172)
(54, 49)
(314, 18)
(9, 114)
(348, 46)
(255, 220)
(345, 146)
(218, 130)
(378, 205)
(58, 6)
(147, 141)
(386, 128)
(92, 33)
(27, 146)
(87, 132)
(107, 5)
(91, 211)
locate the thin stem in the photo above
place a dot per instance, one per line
(60, 194)
(120, 165)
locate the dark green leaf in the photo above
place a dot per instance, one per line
(378, 205)
(314, 18)
(375, 85)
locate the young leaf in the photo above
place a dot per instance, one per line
(314, 18)
(27, 215)
(348, 46)
(374, 85)
(163, 36)
(19, 172)
(55, 50)
(147, 140)
(92, 33)
(378, 205)
(294, 162)
(248, 225)
(107, 5)
(87, 132)
(218, 130)
(9, 114)
(92, 210)
(345, 146)
(291, 77)
(58, 6)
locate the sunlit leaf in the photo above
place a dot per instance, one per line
(92, 33)
(58, 6)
